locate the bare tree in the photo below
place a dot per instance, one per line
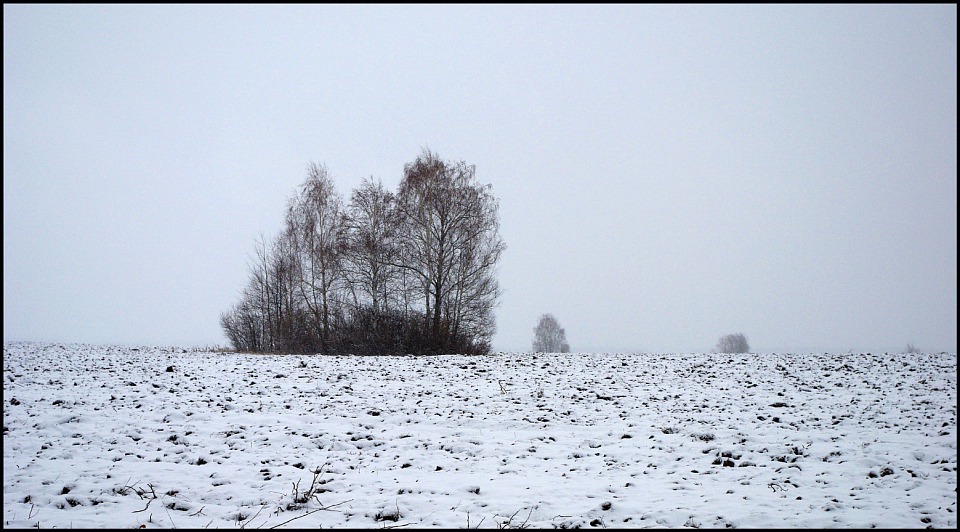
(371, 246)
(268, 291)
(266, 317)
(293, 292)
(733, 343)
(241, 325)
(549, 336)
(451, 246)
(246, 324)
(316, 230)
(474, 287)
(282, 282)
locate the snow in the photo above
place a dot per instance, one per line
(107, 436)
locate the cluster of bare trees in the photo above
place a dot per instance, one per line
(385, 273)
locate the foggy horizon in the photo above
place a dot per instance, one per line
(666, 175)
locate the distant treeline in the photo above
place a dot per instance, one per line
(411, 272)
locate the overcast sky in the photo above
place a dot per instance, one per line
(666, 174)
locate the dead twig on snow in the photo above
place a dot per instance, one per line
(327, 508)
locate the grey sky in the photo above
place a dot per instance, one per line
(666, 175)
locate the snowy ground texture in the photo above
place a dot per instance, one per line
(100, 436)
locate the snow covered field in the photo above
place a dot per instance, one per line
(101, 436)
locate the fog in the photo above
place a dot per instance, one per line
(666, 174)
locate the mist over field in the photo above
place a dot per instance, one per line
(665, 174)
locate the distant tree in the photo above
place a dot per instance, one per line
(549, 336)
(911, 349)
(733, 343)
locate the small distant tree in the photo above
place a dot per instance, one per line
(549, 336)
(911, 349)
(733, 343)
